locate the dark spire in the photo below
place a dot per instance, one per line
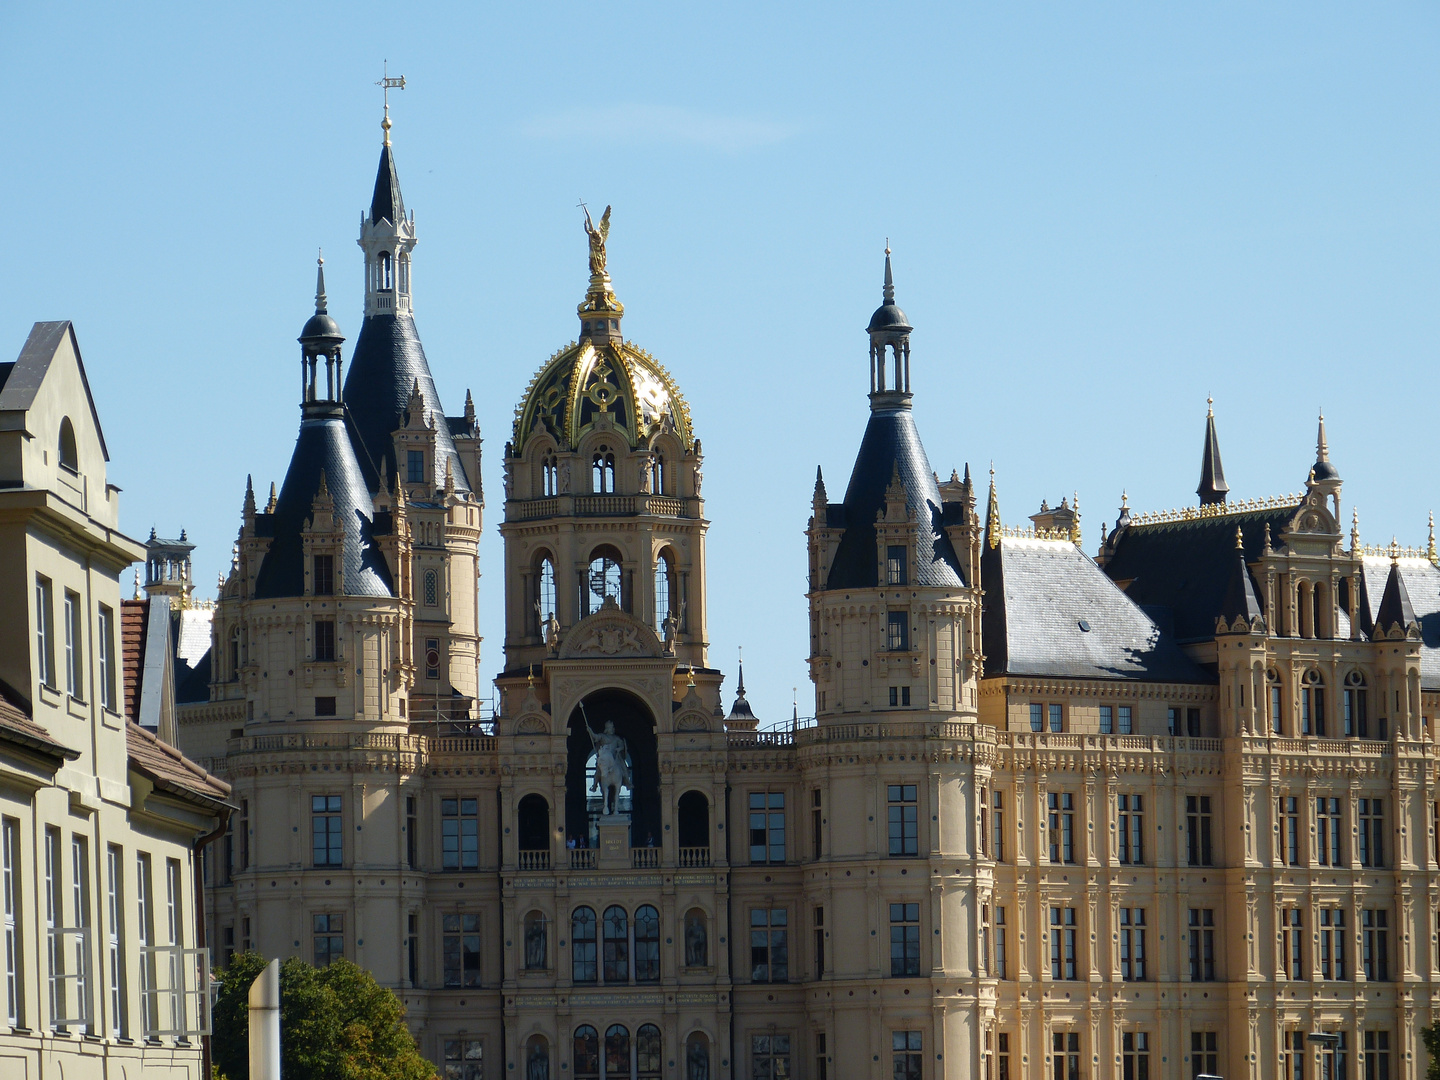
(1395, 606)
(1212, 487)
(321, 329)
(386, 204)
(741, 712)
(1324, 469)
(1240, 599)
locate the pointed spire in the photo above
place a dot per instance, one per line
(992, 513)
(889, 291)
(449, 478)
(320, 298)
(821, 497)
(1212, 487)
(1323, 469)
(1241, 601)
(1395, 607)
(469, 411)
(324, 492)
(741, 715)
(249, 506)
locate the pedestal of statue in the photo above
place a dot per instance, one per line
(614, 832)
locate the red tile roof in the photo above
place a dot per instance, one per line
(169, 770)
(17, 727)
(133, 615)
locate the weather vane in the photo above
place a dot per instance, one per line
(387, 84)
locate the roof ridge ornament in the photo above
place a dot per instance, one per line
(386, 84)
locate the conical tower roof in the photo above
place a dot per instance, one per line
(1213, 488)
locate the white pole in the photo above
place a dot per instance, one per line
(265, 1024)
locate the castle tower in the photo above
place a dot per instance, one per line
(167, 569)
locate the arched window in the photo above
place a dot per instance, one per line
(617, 945)
(545, 590)
(1357, 719)
(582, 946)
(657, 473)
(647, 1053)
(549, 475)
(387, 271)
(537, 1058)
(585, 1058)
(69, 456)
(617, 1051)
(404, 273)
(647, 944)
(602, 471)
(1312, 704)
(664, 589)
(534, 815)
(1305, 609)
(697, 1057)
(697, 945)
(432, 588)
(1277, 712)
(235, 654)
(694, 822)
(604, 579)
(537, 944)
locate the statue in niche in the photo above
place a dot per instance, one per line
(535, 944)
(565, 478)
(537, 1063)
(697, 1061)
(697, 954)
(612, 762)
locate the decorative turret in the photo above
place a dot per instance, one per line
(1213, 488)
(167, 567)
(320, 339)
(889, 329)
(1396, 617)
(1323, 474)
(386, 235)
(1241, 612)
(741, 717)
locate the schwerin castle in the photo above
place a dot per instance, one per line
(1163, 812)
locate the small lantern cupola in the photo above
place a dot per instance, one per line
(387, 236)
(889, 330)
(320, 341)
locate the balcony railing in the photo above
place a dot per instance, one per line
(645, 858)
(588, 505)
(583, 858)
(534, 860)
(694, 856)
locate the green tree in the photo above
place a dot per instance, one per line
(1431, 1035)
(336, 1023)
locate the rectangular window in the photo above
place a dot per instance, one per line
(45, 631)
(1037, 716)
(986, 963)
(819, 943)
(1132, 944)
(412, 831)
(1292, 1055)
(1277, 716)
(106, 647)
(74, 671)
(412, 948)
(1130, 829)
(1172, 721)
(822, 1060)
(1126, 719)
(322, 582)
(1357, 725)
(1327, 831)
(460, 834)
(54, 920)
(904, 822)
(997, 823)
(1197, 830)
(145, 917)
(324, 640)
(325, 706)
(1202, 945)
(1375, 940)
(895, 564)
(463, 1057)
(1107, 720)
(1332, 944)
(1062, 826)
(461, 951)
(1063, 944)
(1135, 1055)
(1001, 967)
(415, 466)
(242, 838)
(816, 820)
(115, 938)
(769, 945)
(767, 827)
(904, 940)
(10, 887)
(1192, 723)
(1057, 718)
(1377, 1055)
(897, 635)
(1292, 940)
(1312, 710)
(1065, 1055)
(769, 1057)
(432, 658)
(905, 1055)
(327, 841)
(1002, 1056)
(1372, 832)
(1204, 1053)
(245, 936)
(78, 946)
(329, 933)
(1289, 830)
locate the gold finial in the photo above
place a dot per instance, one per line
(530, 677)
(887, 245)
(1239, 538)
(1209, 406)
(1075, 526)
(1394, 551)
(690, 676)
(1430, 547)
(387, 84)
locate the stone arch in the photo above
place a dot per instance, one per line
(635, 723)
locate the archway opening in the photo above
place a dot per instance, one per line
(534, 815)
(694, 820)
(584, 800)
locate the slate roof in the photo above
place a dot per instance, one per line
(386, 204)
(323, 444)
(22, 378)
(171, 771)
(891, 443)
(17, 727)
(1422, 583)
(1037, 595)
(387, 361)
(1182, 569)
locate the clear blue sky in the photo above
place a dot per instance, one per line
(1100, 214)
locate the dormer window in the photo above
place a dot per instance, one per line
(323, 578)
(415, 466)
(69, 456)
(602, 471)
(895, 564)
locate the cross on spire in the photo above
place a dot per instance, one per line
(387, 84)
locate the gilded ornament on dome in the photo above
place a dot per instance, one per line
(597, 237)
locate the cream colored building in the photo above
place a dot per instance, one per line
(101, 824)
(1162, 812)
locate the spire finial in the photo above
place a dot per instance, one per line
(1430, 547)
(1212, 488)
(1394, 551)
(387, 84)
(320, 300)
(1209, 406)
(992, 513)
(1322, 449)
(889, 292)
(740, 665)
(1239, 538)
(1354, 531)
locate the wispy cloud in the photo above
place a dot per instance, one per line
(658, 124)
